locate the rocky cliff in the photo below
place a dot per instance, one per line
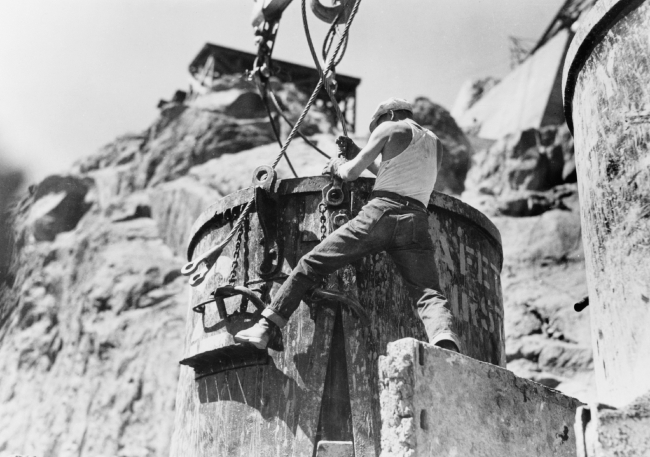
(92, 305)
(525, 183)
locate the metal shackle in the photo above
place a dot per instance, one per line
(264, 176)
(340, 218)
(334, 196)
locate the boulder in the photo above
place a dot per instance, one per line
(530, 160)
(526, 203)
(59, 204)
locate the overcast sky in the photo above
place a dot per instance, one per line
(74, 74)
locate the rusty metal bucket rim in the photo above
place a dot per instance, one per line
(604, 15)
(314, 184)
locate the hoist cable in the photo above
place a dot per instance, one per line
(319, 85)
(280, 111)
(331, 60)
(262, 88)
(329, 40)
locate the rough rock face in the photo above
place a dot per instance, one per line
(59, 204)
(457, 156)
(520, 174)
(10, 181)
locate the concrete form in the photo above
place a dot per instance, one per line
(439, 403)
(607, 105)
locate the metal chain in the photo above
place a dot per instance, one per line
(246, 228)
(235, 260)
(322, 208)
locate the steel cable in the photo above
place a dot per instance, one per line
(263, 90)
(331, 61)
(280, 111)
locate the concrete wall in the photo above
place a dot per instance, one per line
(523, 99)
(439, 403)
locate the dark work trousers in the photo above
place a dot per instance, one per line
(382, 225)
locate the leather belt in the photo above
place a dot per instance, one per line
(406, 201)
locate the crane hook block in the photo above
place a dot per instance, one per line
(329, 13)
(268, 10)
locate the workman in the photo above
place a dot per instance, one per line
(395, 220)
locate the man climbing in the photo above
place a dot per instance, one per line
(395, 220)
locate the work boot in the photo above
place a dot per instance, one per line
(259, 334)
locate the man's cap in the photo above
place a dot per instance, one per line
(393, 104)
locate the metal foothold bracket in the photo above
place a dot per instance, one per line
(225, 359)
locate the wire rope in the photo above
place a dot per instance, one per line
(264, 94)
(279, 109)
(331, 62)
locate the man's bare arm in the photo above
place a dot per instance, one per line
(373, 168)
(351, 170)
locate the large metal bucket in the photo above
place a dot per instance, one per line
(323, 385)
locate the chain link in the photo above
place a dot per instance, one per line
(235, 260)
(322, 208)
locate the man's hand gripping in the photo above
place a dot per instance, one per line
(348, 150)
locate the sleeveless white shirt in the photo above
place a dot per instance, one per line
(414, 171)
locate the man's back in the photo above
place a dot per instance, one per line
(399, 138)
(409, 168)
